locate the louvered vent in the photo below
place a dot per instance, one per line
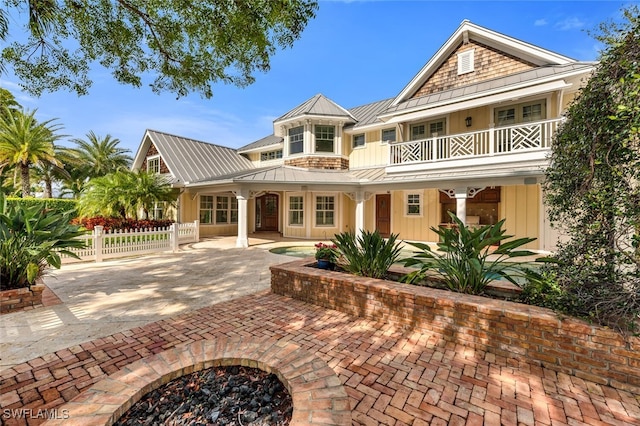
(465, 62)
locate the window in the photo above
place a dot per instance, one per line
(324, 138)
(296, 213)
(413, 204)
(532, 112)
(271, 155)
(158, 211)
(436, 128)
(358, 140)
(296, 139)
(325, 210)
(521, 113)
(465, 62)
(506, 117)
(389, 135)
(153, 164)
(428, 130)
(206, 209)
(418, 132)
(224, 211)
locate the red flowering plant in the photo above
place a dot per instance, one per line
(326, 252)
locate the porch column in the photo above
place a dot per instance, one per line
(359, 199)
(243, 212)
(461, 204)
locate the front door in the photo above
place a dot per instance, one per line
(383, 214)
(267, 213)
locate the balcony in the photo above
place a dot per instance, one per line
(526, 141)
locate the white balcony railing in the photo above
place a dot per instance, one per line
(496, 141)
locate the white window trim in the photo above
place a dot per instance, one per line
(420, 204)
(426, 125)
(289, 153)
(335, 209)
(315, 139)
(353, 141)
(384, 141)
(214, 210)
(518, 106)
(154, 157)
(296, 225)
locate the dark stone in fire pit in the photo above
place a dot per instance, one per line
(217, 396)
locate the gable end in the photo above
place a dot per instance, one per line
(489, 63)
(151, 152)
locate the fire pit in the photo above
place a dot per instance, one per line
(220, 395)
(317, 393)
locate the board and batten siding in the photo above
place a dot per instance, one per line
(520, 205)
(415, 228)
(374, 153)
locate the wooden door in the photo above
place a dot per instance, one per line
(383, 214)
(267, 213)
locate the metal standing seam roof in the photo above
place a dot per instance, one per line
(292, 174)
(270, 140)
(317, 105)
(190, 160)
(496, 83)
(368, 114)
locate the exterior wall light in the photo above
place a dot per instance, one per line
(467, 121)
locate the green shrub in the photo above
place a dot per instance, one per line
(31, 239)
(468, 259)
(56, 204)
(369, 255)
(541, 288)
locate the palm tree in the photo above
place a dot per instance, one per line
(24, 142)
(124, 194)
(100, 155)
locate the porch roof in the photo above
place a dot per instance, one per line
(297, 175)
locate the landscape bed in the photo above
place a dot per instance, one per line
(513, 330)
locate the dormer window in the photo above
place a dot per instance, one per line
(153, 164)
(465, 62)
(325, 138)
(296, 140)
(271, 155)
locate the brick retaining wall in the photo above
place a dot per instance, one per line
(508, 329)
(21, 298)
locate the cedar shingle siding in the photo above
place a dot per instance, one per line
(326, 163)
(489, 63)
(150, 153)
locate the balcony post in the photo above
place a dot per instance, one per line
(492, 137)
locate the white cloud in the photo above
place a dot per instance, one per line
(569, 24)
(540, 22)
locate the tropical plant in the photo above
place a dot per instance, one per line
(468, 259)
(97, 155)
(24, 143)
(326, 252)
(32, 239)
(368, 255)
(124, 194)
(592, 186)
(184, 48)
(541, 288)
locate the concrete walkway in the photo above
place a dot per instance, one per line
(100, 299)
(116, 313)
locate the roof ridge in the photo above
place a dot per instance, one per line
(192, 140)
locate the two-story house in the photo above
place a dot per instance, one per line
(470, 134)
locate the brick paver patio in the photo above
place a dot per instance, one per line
(392, 376)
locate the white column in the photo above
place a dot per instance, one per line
(243, 218)
(359, 199)
(461, 204)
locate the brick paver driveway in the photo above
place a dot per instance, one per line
(393, 376)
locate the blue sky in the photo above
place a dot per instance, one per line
(352, 52)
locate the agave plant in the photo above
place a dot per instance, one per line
(31, 239)
(368, 255)
(468, 259)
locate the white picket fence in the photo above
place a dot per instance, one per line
(101, 244)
